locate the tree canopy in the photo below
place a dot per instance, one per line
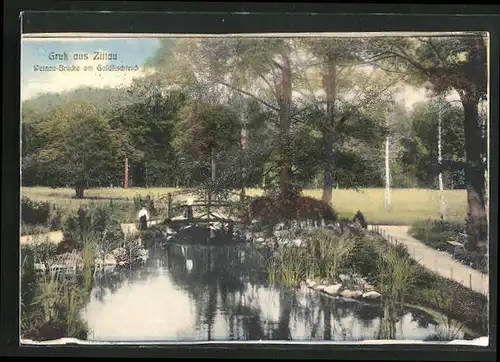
(316, 111)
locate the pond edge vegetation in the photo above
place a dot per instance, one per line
(363, 265)
(57, 279)
(330, 261)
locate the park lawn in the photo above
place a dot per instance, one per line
(407, 205)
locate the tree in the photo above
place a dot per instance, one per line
(420, 145)
(447, 64)
(147, 126)
(333, 55)
(202, 131)
(267, 63)
(80, 147)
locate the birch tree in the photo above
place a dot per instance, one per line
(458, 64)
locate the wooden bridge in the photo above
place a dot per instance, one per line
(204, 211)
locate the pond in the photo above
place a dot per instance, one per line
(219, 293)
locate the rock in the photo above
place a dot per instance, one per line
(371, 295)
(347, 293)
(332, 289)
(359, 281)
(320, 287)
(368, 287)
(260, 240)
(297, 242)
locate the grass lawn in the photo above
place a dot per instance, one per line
(407, 205)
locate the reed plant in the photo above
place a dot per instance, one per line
(51, 298)
(50, 302)
(75, 299)
(396, 274)
(330, 251)
(288, 266)
(325, 256)
(88, 259)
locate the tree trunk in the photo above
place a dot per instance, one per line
(284, 100)
(330, 85)
(477, 227)
(213, 164)
(79, 189)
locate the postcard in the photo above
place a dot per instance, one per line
(254, 188)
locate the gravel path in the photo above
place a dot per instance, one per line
(438, 261)
(56, 236)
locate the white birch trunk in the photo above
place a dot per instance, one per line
(442, 203)
(387, 169)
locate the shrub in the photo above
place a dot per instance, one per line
(151, 235)
(39, 214)
(435, 233)
(96, 224)
(42, 251)
(364, 256)
(396, 274)
(34, 213)
(270, 210)
(472, 259)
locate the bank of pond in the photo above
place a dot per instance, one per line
(292, 282)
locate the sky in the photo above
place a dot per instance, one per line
(36, 52)
(129, 51)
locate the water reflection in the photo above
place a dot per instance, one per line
(188, 292)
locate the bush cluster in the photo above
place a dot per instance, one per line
(39, 214)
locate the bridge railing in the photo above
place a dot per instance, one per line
(207, 202)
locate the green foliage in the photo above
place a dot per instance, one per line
(42, 251)
(326, 256)
(435, 234)
(331, 251)
(41, 214)
(201, 127)
(96, 226)
(148, 128)
(289, 266)
(168, 122)
(451, 298)
(151, 236)
(419, 148)
(363, 258)
(162, 54)
(50, 304)
(78, 147)
(396, 275)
